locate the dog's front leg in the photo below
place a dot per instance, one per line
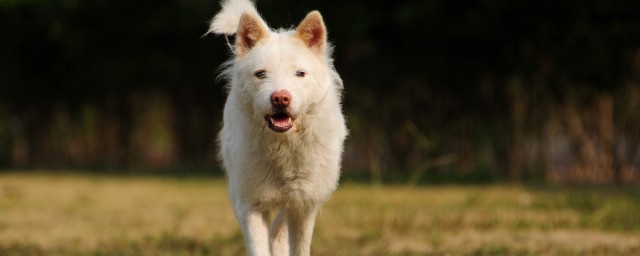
(301, 224)
(254, 225)
(279, 235)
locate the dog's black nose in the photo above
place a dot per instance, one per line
(281, 99)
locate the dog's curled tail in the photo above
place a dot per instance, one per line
(227, 20)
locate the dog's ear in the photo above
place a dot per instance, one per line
(250, 31)
(313, 32)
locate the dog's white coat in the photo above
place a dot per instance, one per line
(294, 171)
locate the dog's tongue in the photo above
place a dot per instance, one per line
(280, 120)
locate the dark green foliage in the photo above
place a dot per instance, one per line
(99, 71)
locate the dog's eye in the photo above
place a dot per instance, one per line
(261, 74)
(300, 73)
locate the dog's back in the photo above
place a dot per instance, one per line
(283, 128)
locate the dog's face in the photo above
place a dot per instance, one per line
(281, 75)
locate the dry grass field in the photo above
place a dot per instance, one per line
(77, 214)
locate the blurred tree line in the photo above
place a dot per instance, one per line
(513, 90)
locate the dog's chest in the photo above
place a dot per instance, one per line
(289, 161)
(295, 173)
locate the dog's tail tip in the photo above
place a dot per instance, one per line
(227, 20)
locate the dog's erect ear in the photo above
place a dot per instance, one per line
(313, 32)
(250, 31)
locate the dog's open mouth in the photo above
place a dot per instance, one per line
(280, 121)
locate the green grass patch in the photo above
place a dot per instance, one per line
(79, 214)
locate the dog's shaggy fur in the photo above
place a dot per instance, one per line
(283, 129)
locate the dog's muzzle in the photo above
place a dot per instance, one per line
(280, 121)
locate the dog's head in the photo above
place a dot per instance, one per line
(278, 76)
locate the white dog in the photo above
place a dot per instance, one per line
(283, 129)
